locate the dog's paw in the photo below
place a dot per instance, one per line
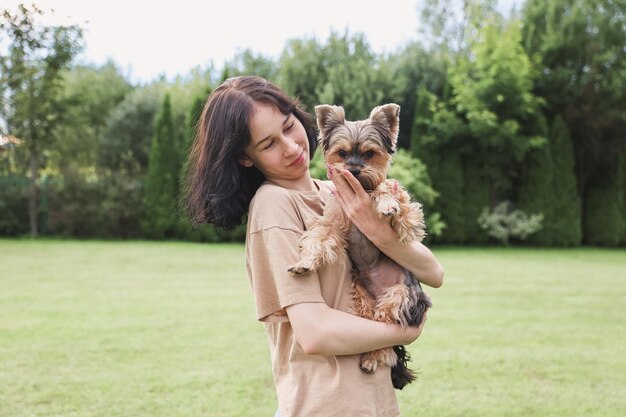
(300, 268)
(388, 207)
(368, 363)
(389, 357)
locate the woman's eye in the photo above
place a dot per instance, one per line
(269, 145)
(369, 154)
(290, 126)
(342, 153)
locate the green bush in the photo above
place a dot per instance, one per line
(13, 206)
(96, 207)
(603, 219)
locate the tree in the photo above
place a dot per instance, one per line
(566, 224)
(161, 186)
(492, 91)
(420, 71)
(536, 192)
(580, 50)
(355, 78)
(603, 205)
(30, 85)
(302, 69)
(90, 94)
(342, 71)
(246, 62)
(124, 146)
(474, 128)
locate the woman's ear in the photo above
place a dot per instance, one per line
(245, 161)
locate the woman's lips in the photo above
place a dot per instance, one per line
(298, 161)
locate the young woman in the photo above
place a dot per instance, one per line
(250, 158)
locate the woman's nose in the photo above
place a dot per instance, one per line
(290, 146)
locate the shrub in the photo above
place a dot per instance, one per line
(505, 222)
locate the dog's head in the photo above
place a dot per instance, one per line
(362, 147)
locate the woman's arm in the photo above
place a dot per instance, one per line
(357, 205)
(321, 330)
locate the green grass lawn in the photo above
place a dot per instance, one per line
(144, 329)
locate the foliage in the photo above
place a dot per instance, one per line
(536, 192)
(31, 81)
(159, 218)
(246, 62)
(412, 174)
(302, 69)
(342, 71)
(477, 91)
(13, 199)
(603, 220)
(417, 70)
(124, 145)
(579, 46)
(492, 92)
(89, 94)
(566, 223)
(104, 207)
(446, 172)
(505, 222)
(476, 196)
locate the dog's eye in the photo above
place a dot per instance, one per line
(343, 153)
(369, 154)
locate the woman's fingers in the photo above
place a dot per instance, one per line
(354, 184)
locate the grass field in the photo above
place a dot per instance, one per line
(144, 329)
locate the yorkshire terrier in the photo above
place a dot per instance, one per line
(382, 289)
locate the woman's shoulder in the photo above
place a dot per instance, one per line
(273, 206)
(270, 191)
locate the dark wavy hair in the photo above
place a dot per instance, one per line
(216, 188)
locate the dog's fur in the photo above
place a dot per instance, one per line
(365, 148)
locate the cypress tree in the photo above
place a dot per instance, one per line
(448, 181)
(475, 198)
(623, 163)
(565, 224)
(535, 192)
(159, 202)
(421, 121)
(603, 205)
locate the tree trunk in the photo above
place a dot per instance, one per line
(33, 197)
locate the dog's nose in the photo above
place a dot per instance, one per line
(354, 171)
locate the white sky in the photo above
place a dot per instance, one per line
(149, 38)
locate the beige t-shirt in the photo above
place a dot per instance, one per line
(306, 385)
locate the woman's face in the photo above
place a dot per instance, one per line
(279, 147)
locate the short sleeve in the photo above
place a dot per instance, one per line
(270, 252)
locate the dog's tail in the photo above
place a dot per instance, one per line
(401, 375)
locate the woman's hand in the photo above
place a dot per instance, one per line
(358, 207)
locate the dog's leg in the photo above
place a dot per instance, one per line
(386, 202)
(390, 308)
(409, 222)
(369, 360)
(407, 218)
(321, 244)
(362, 303)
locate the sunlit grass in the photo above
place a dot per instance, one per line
(168, 329)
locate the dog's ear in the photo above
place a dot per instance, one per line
(328, 118)
(386, 120)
